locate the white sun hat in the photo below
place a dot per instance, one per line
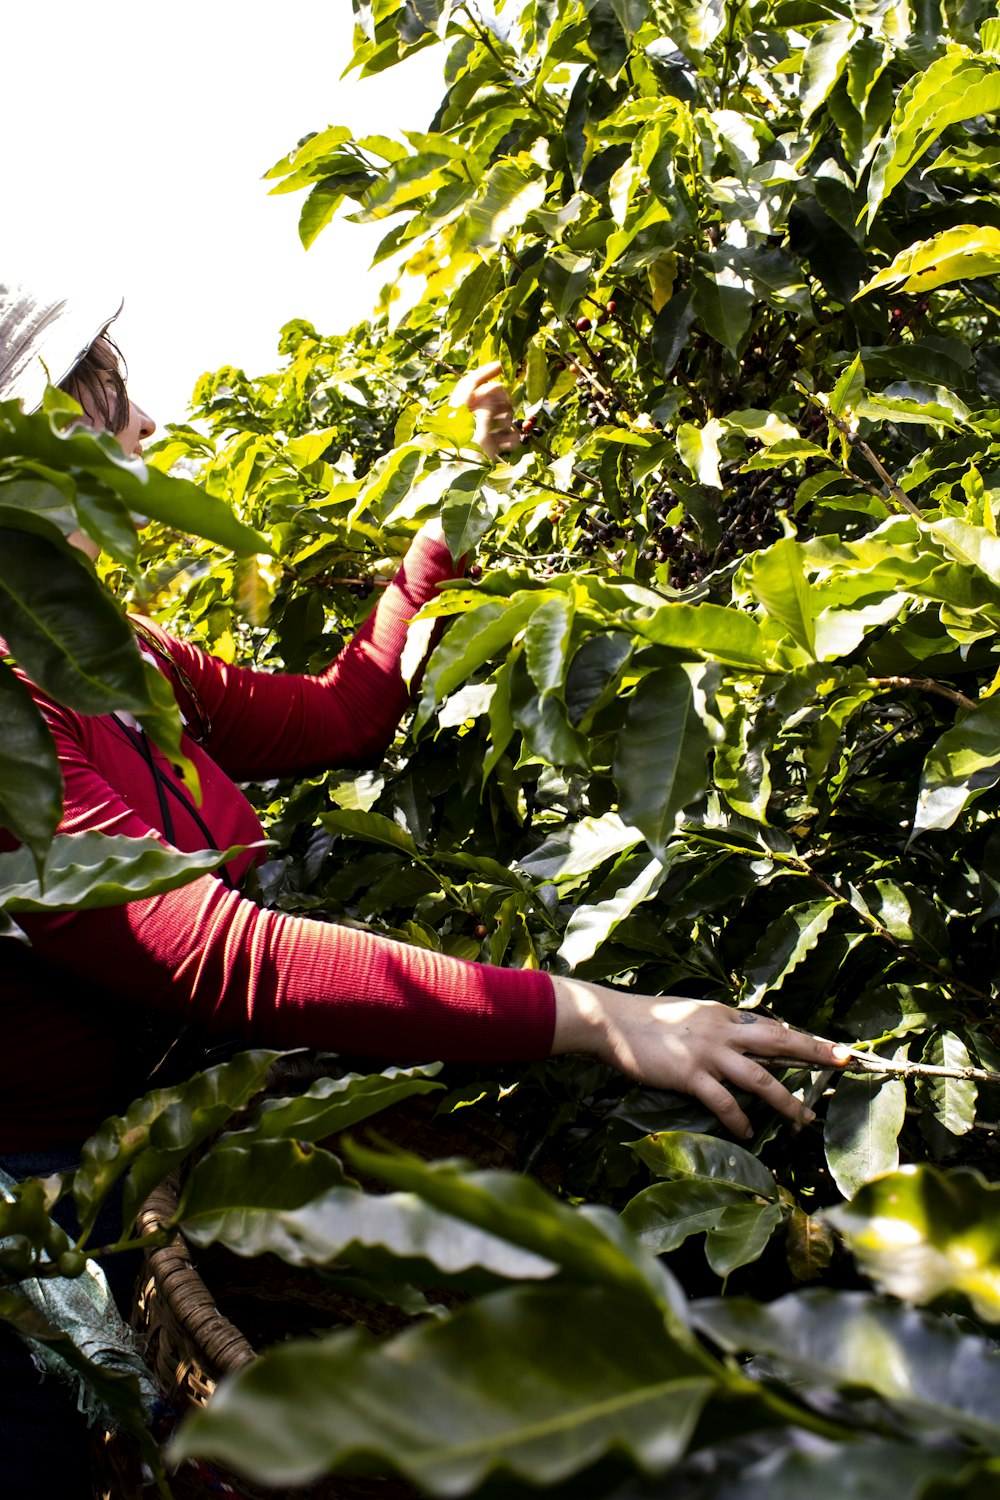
(42, 338)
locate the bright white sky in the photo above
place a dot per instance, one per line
(134, 142)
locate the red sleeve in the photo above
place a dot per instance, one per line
(207, 955)
(268, 724)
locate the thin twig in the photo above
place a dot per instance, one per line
(865, 1062)
(424, 354)
(924, 685)
(900, 496)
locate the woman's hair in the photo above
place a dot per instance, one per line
(101, 376)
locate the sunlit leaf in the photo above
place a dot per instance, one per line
(923, 1232)
(86, 870)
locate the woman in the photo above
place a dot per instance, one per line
(206, 954)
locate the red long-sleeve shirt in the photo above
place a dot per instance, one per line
(71, 1003)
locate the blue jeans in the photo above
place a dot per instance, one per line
(44, 1440)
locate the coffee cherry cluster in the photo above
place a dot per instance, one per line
(602, 410)
(747, 514)
(600, 528)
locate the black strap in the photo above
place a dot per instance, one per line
(139, 740)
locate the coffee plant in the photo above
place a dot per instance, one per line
(715, 713)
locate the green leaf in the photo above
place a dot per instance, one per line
(544, 722)
(698, 449)
(963, 762)
(956, 254)
(592, 925)
(719, 632)
(108, 522)
(593, 668)
(721, 302)
(944, 361)
(865, 65)
(508, 195)
(930, 1372)
(551, 1379)
(848, 389)
(470, 643)
(697, 23)
(82, 871)
(825, 59)
(546, 644)
(855, 1470)
(281, 1198)
(63, 629)
(862, 1125)
(952, 1101)
(322, 202)
(683, 1155)
(908, 914)
(923, 408)
(741, 1235)
(589, 1243)
(31, 788)
(955, 87)
(777, 579)
(334, 1104)
(466, 513)
(788, 940)
(386, 483)
(742, 766)
(663, 1216)
(922, 1233)
(158, 1131)
(660, 762)
(374, 827)
(579, 848)
(671, 329)
(241, 1192)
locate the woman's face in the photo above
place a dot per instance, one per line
(137, 429)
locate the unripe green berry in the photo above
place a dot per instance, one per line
(71, 1263)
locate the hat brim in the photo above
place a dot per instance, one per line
(43, 339)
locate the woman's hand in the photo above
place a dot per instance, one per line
(482, 390)
(695, 1046)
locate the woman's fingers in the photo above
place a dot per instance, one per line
(716, 1097)
(468, 391)
(482, 390)
(754, 1077)
(752, 1033)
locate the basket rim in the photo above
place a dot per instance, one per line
(219, 1342)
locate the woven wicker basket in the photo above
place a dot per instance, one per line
(206, 1320)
